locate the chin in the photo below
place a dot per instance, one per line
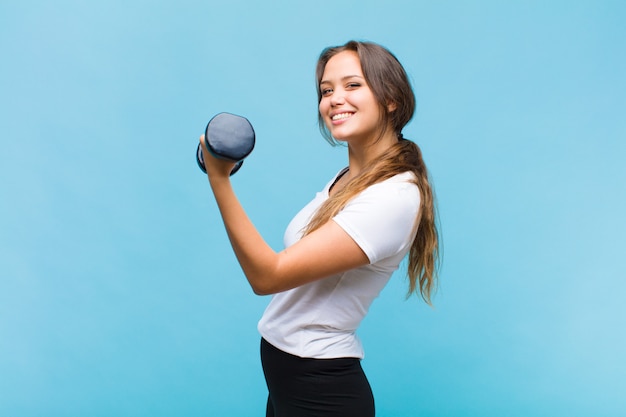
(340, 136)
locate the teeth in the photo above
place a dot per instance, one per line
(341, 116)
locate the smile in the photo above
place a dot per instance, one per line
(341, 116)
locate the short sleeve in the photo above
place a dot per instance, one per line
(382, 218)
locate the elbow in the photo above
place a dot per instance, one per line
(261, 287)
(265, 281)
(256, 288)
(260, 292)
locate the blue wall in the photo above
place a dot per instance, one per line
(119, 294)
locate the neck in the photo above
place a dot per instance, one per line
(360, 155)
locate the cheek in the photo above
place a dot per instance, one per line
(323, 107)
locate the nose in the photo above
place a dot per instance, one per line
(338, 98)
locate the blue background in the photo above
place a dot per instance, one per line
(119, 293)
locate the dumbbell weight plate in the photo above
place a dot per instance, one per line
(227, 136)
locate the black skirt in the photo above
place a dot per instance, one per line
(306, 387)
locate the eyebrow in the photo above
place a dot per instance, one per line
(342, 79)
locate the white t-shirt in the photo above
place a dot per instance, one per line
(320, 319)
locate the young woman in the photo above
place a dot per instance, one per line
(342, 247)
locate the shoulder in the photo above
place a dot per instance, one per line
(392, 203)
(382, 218)
(400, 189)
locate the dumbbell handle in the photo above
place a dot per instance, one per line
(200, 161)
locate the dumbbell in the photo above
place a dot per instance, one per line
(227, 136)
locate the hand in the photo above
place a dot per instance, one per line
(216, 168)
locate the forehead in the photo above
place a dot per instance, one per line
(345, 63)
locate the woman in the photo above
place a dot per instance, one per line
(344, 245)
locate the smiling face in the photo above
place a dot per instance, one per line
(347, 105)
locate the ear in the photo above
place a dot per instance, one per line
(391, 107)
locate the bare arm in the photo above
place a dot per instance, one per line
(327, 251)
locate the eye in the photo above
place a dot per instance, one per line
(326, 91)
(353, 85)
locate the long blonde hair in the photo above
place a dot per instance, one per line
(389, 83)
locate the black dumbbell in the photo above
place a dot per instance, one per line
(227, 136)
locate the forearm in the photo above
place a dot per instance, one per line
(257, 259)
